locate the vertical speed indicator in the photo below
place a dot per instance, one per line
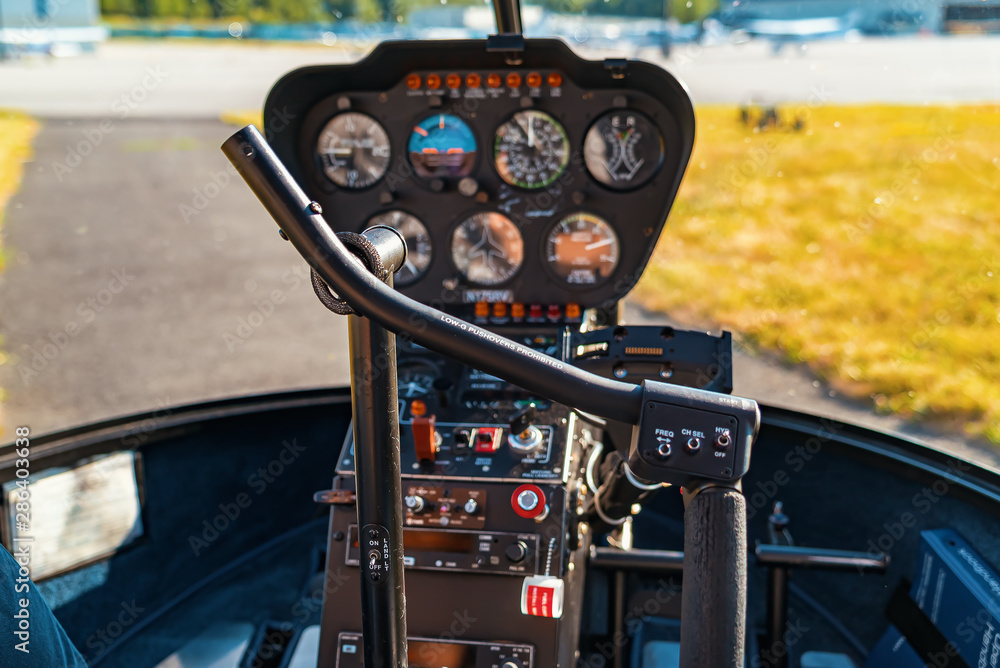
(353, 149)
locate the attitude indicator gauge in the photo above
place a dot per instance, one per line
(623, 150)
(442, 146)
(419, 249)
(353, 149)
(582, 249)
(531, 150)
(487, 248)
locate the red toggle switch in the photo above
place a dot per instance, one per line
(424, 437)
(488, 439)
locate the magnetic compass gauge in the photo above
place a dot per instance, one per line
(623, 150)
(531, 150)
(487, 248)
(415, 379)
(582, 249)
(442, 146)
(419, 249)
(353, 149)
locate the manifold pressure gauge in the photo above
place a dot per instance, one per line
(531, 150)
(419, 249)
(623, 150)
(353, 149)
(582, 249)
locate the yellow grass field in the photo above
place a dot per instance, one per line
(16, 133)
(866, 245)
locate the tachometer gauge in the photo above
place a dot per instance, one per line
(415, 379)
(442, 146)
(531, 150)
(487, 248)
(353, 149)
(418, 244)
(582, 249)
(623, 149)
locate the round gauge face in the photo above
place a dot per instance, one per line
(419, 249)
(531, 150)
(415, 379)
(582, 249)
(487, 248)
(623, 150)
(442, 146)
(353, 149)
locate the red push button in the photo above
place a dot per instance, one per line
(528, 501)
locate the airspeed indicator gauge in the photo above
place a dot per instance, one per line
(531, 150)
(582, 249)
(419, 250)
(487, 248)
(353, 150)
(623, 150)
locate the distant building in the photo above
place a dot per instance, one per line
(49, 26)
(874, 17)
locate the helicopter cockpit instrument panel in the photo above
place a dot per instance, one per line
(526, 193)
(534, 190)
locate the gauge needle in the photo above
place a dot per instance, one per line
(409, 265)
(340, 151)
(531, 134)
(598, 244)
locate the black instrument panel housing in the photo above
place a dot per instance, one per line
(301, 103)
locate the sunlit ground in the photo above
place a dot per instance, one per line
(16, 133)
(865, 245)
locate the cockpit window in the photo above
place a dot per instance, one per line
(837, 212)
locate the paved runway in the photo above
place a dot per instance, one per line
(141, 274)
(201, 80)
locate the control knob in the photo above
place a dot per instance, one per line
(471, 507)
(516, 552)
(414, 503)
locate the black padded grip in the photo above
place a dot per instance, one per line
(714, 594)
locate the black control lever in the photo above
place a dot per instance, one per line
(698, 438)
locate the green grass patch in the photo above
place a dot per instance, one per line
(866, 246)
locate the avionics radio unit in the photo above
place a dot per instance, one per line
(495, 552)
(437, 652)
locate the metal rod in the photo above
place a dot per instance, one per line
(508, 14)
(774, 653)
(618, 615)
(379, 489)
(793, 556)
(648, 561)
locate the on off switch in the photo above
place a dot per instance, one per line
(424, 437)
(488, 439)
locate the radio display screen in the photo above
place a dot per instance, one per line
(438, 541)
(452, 542)
(424, 654)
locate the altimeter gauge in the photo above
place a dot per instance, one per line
(419, 249)
(353, 150)
(582, 249)
(487, 248)
(531, 150)
(623, 150)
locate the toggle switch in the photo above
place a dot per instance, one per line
(425, 437)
